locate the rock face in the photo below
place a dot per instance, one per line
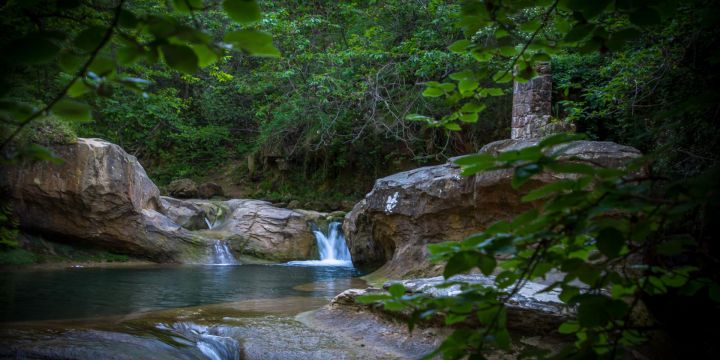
(183, 188)
(256, 228)
(209, 189)
(406, 211)
(529, 310)
(99, 195)
(252, 228)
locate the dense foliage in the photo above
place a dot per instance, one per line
(345, 97)
(631, 242)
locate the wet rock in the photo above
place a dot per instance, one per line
(183, 188)
(392, 226)
(259, 229)
(92, 345)
(529, 310)
(184, 213)
(209, 190)
(293, 204)
(99, 196)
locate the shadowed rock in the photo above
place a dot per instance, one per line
(407, 211)
(100, 196)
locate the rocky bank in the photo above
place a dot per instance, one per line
(389, 230)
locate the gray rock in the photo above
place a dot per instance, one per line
(100, 196)
(392, 226)
(183, 188)
(529, 310)
(209, 189)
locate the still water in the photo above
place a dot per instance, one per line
(94, 292)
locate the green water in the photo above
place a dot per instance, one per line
(94, 292)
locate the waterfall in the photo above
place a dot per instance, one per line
(332, 247)
(211, 225)
(219, 254)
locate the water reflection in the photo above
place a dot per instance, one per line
(81, 293)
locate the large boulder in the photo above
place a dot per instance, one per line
(259, 229)
(183, 188)
(253, 228)
(405, 212)
(209, 189)
(99, 195)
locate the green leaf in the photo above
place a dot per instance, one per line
(579, 32)
(39, 153)
(72, 111)
(475, 159)
(452, 126)
(454, 318)
(481, 55)
(16, 110)
(206, 56)
(418, 117)
(31, 49)
(432, 92)
(396, 290)
(472, 107)
(460, 263)
(78, 89)
(69, 62)
(102, 66)
(502, 77)
(469, 117)
(560, 139)
(494, 91)
(127, 55)
(459, 46)
(186, 6)
(467, 85)
(255, 42)
(463, 75)
(90, 38)
(610, 242)
(592, 310)
(569, 327)
(242, 11)
(548, 190)
(180, 57)
(486, 264)
(371, 298)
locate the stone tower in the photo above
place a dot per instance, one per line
(532, 105)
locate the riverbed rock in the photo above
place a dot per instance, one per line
(257, 228)
(183, 188)
(99, 196)
(209, 190)
(529, 310)
(392, 226)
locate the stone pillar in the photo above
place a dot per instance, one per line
(532, 105)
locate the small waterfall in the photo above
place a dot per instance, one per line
(331, 246)
(219, 254)
(212, 341)
(211, 225)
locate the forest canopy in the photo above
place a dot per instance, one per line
(327, 96)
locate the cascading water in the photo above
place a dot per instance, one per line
(332, 247)
(219, 254)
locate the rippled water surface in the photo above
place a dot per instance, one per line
(93, 292)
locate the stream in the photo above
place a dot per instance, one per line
(206, 311)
